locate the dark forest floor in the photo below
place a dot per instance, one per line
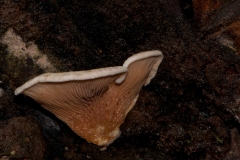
(190, 110)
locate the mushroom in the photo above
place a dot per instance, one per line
(94, 103)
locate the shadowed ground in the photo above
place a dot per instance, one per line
(189, 110)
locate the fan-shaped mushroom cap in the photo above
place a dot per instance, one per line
(140, 56)
(72, 76)
(94, 103)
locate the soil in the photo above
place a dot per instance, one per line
(190, 110)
